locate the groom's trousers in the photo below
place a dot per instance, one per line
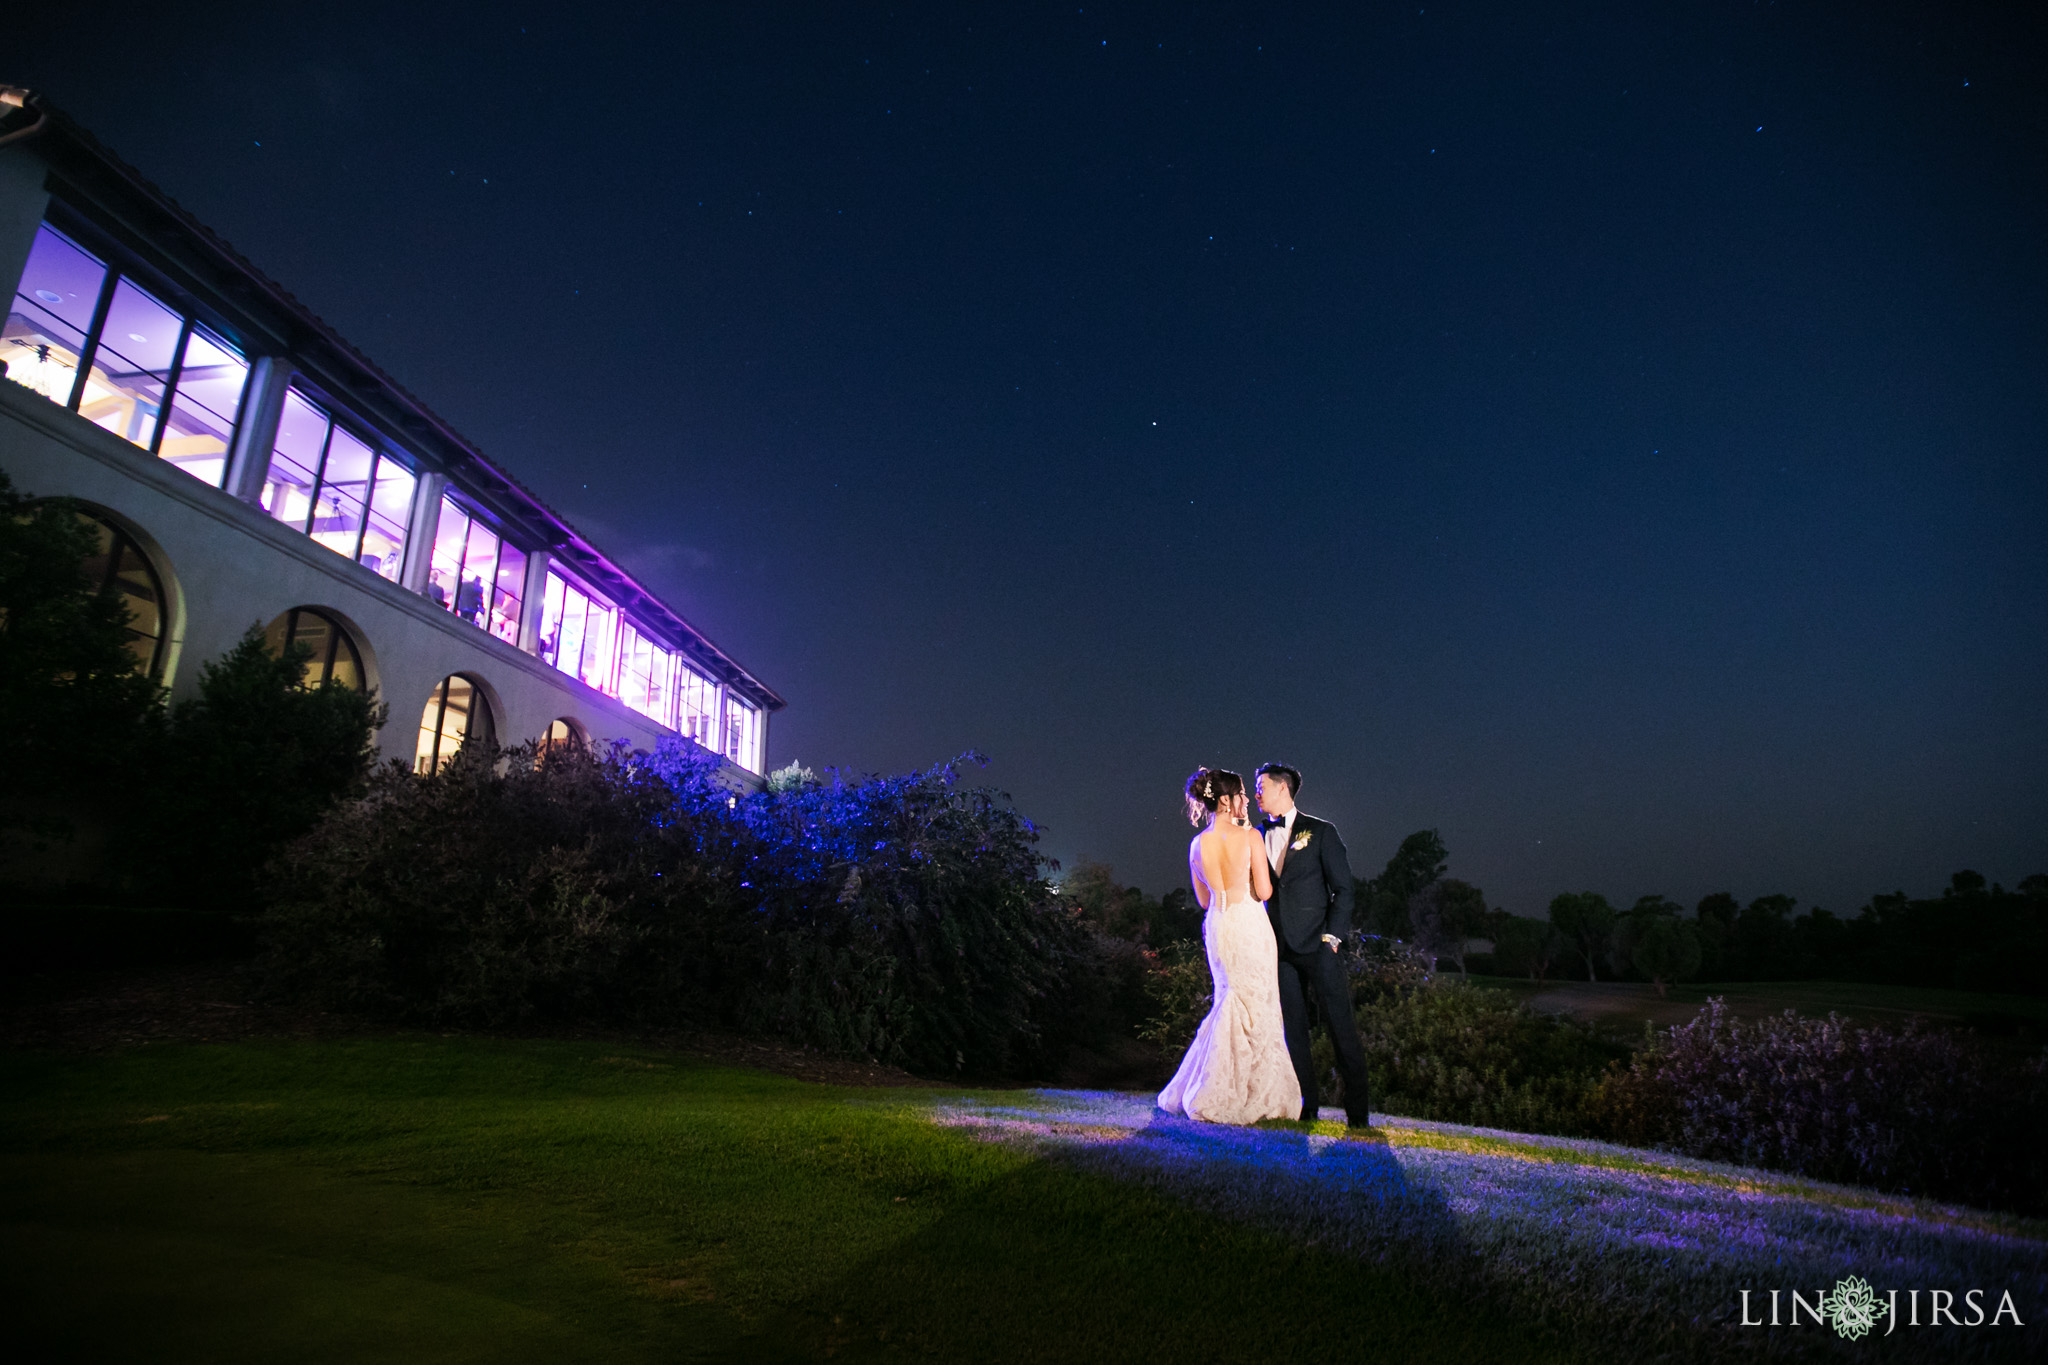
(1322, 973)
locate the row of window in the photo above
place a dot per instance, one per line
(86, 335)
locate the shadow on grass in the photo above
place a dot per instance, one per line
(1175, 1241)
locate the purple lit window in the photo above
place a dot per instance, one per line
(742, 733)
(505, 596)
(463, 573)
(645, 673)
(101, 344)
(579, 634)
(696, 700)
(52, 312)
(384, 531)
(201, 424)
(329, 483)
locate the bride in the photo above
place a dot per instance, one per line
(1237, 1070)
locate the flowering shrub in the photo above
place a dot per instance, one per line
(900, 918)
(1904, 1109)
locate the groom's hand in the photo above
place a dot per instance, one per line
(1333, 941)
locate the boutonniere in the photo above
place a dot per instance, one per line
(1300, 842)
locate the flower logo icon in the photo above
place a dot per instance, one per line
(1853, 1308)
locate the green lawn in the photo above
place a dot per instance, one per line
(453, 1199)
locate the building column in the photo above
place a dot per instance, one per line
(536, 589)
(23, 201)
(420, 526)
(256, 433)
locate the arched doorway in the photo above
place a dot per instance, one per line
(336, 656)
(456, 713)
(118, 564)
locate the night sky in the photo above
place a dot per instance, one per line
(1611, 436)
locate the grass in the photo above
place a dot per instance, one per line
(455, 1199)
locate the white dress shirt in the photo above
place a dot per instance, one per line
(1277, 837)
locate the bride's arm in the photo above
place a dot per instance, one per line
(1197, 861)
(1262, 871)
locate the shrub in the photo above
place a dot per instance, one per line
(1903, 1109)
(1460, 1053)
(904, 918)
(246, 766)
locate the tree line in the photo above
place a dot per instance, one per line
(1975, 935)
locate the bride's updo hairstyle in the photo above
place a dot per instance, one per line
(1209, 787)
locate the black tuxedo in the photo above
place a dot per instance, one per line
(1312, 896)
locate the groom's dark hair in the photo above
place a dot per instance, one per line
(1291, 776)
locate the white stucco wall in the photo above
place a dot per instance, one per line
(227, 566)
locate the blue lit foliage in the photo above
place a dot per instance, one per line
(902, 918)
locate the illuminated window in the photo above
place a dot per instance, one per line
(696, 704)
(118, 564)
(580, 634)
(334, 652)
(647, 676)
(564, 733)
(742, 733)
(103, 345)
(456, 713)
(475, 574)
(328, 482)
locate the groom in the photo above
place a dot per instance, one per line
(1311, 914)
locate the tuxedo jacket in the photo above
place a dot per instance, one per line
(1312, 891)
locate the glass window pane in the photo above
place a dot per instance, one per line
(479, 571)
(295, 461)
(390, 508)
(444, 571)
(742, 733)
(551, 604)
(575, 621)
(46, 326)
(505, 596)
(344, 490)
(636, 660)
(118, 565)
(600, 649)
(455, 713)
(131, 365)
(202, 420)
(695, 695)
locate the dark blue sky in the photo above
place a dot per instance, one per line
(1612, 436)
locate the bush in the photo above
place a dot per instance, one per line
(905, 919)
(1460, 1053)
(243, 768)
(1902, 1109)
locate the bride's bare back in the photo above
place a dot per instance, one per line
(1231, 857)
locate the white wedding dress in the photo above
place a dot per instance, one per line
(1237, 1070)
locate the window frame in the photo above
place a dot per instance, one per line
(123, 262)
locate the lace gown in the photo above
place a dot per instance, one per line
(1237, 1070)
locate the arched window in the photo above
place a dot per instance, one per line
(456, 713)
(118, 563)
(564, 733)
(335, 654)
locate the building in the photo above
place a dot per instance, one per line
(246, 465)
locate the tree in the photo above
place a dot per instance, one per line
(1651, 938)
(1445, 914)
(1584, 920)
(1525, 946)
(78, 711)
(1760, 941)
(1715, 916)
(1091, 891)
(248, 765)
(1421, 859)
